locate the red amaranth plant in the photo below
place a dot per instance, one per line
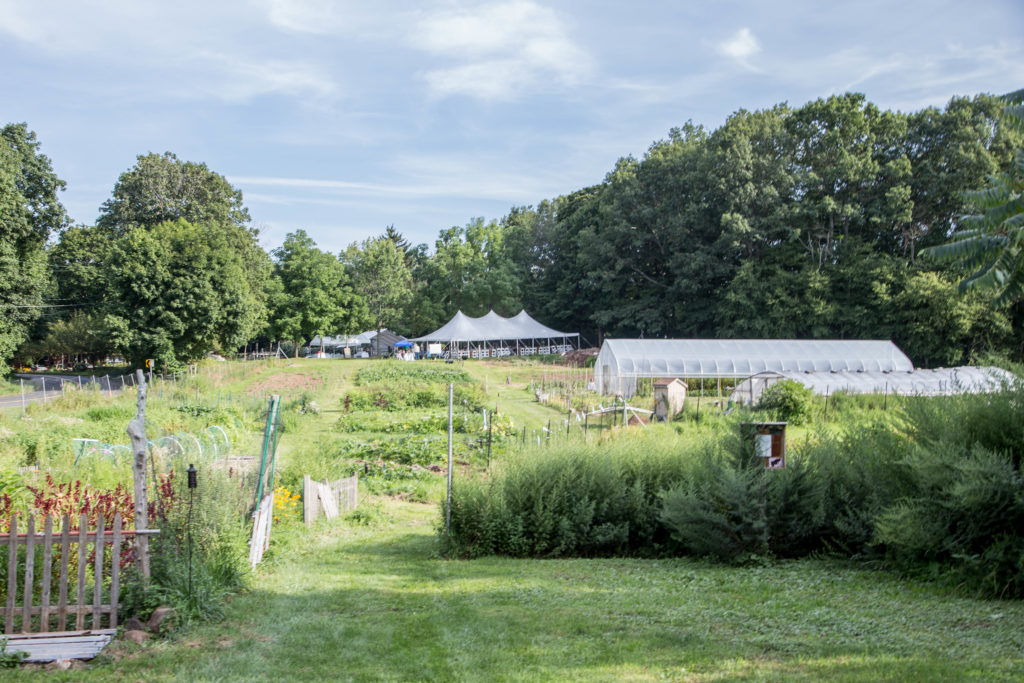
(76, 498)
(166, 498)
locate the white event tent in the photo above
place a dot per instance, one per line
(934, 382)
(492, 335)
(622, 361)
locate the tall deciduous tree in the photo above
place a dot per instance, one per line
(29, 214)
(313, 294)
(161, 187)
(382, 278)
(178, 292)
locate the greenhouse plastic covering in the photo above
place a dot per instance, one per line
(491, 327)
(937, 382)
(621, 361)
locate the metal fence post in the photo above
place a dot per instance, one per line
(448, 505)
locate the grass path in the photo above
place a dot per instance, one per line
(351, 600)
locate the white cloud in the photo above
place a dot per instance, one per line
(504, 49)
(238, 78)
(303, 16)
(741, 46)
(121, 39)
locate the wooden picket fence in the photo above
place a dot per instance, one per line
(84, 563)
(328, 498)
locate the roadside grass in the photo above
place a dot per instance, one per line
(368, 598)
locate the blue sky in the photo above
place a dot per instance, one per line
(343, 117)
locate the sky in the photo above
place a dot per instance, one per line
(341, 118)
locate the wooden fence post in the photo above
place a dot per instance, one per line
(137, 434)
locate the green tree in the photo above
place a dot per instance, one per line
(990, 242)
(29, 214)
(936, 328)
(161, 188)
(471, 272)
(79, 260)
(382, 278)
(79, 335)
(178, 293)
(313, 294)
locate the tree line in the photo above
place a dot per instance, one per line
(804, 222)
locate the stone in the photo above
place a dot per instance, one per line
(157, 618)
(137, 637)
(134, 624)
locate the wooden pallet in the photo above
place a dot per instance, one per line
(49, 647)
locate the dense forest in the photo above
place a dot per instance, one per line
(803, 222)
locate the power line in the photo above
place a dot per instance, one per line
(86, 303)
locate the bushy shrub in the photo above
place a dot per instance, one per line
(967, 514)
(788, 400)
(932, 485)
(719, 514)
(573, 500)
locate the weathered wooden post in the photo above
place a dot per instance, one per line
(137, 434)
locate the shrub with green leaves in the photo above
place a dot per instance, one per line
(788, 400)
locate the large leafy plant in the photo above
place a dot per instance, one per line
(990, 242)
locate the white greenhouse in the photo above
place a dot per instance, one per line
(622, 361)
(937, 382)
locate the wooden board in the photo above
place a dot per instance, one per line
(328, 500)
(49, 647)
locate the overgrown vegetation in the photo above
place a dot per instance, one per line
(935, 489)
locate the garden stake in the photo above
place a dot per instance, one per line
(448, 506)
(22, 395)
(191, 490)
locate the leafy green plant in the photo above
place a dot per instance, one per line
(989, 244)
(788, 400)
(10, 659)
(396, 373)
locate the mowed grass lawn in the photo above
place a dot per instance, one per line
(368, 598)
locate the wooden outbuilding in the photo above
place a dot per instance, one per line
(669, 397)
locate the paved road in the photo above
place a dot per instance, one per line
(54, 385)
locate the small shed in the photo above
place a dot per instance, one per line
(669, 397)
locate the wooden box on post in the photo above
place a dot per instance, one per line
(766, 442)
